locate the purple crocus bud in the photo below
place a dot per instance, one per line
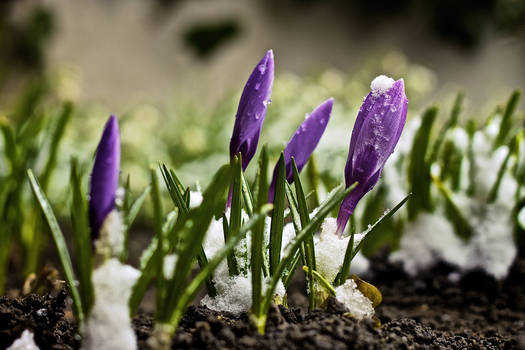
(104, 176)
(376, 132)
(252, 110)
(303, 142)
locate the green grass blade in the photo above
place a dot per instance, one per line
(277, 224)
(174, 189)
(57, 136)
(233, 267)
(247, 196)
(194, 230)
(60, 244)
(451, 122)
(256, 254)
(81, 238)
(493, 194)
(314, 180)
(419, 166)
(290, 271)
(293, 247)
(130, 214)
(371, 230)
(461, 224)
(195, 285)
(308, 245)
(322, 281)
(235, 212)
(347, 262)
(506, 120)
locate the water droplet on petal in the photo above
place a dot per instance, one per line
(257, 86)
(262, 68)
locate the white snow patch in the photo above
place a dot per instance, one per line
(169, 266)
(459, 137)
(25, 342)
(381, 84)
(111, 240)
(359, 306)
(431, 238)
(195, 199)
(234, 293)
(330, 251)
(425, 241)
(109, 324)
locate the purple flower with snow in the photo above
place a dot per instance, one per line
(303, 142)
(252, 110)
(376, 132)
(104, 176)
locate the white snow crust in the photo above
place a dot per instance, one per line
(108, 326)
(381, 84)
(359, 306)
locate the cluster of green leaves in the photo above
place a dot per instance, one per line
(31, 136)
(80, 269)
(430, 149)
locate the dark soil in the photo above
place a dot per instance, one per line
(428, 312)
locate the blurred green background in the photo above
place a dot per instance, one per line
(172, 70)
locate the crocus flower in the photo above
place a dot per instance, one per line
(376, 132)
(104, 176)
(252, 110)
(304, 141)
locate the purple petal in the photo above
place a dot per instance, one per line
(376, 132)
(252, 110)
(104, 176)
(304, 141)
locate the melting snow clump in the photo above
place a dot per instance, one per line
(109, 324)
(330, 252)
(234, 293)
(169, 265)
(25, 342)
(426, 240)
(359, 306)
(195, 199)
(381, 84)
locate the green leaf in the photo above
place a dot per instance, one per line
(175, 190)
(130, 216)
(81, 238)
(419, 166)
(60, 244)
(277, 224)
(57, 136)
(506, 120)
(320, 278)
(451, 122)
(493, 194)
(308, 245)
(247, 196)
(235, 213)
(461, 224)
(312, 174)
(371, 230)
(291, 250)
(193, 232)
(195, 285)
(256, 254)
